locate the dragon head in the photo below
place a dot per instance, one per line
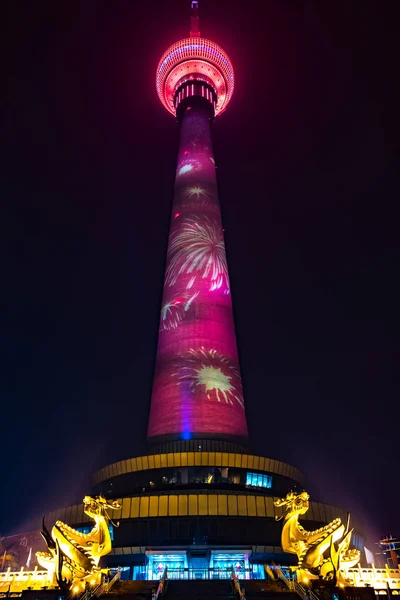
(97, 506)
(296, 504)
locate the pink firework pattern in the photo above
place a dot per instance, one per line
(198, 249)
(211, 372)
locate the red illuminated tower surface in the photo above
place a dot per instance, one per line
(197, 390)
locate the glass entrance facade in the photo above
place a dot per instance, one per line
(185, 565)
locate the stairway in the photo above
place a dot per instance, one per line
(206, 589)
(131, 590)
(259, 589)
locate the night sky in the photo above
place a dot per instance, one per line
(309, 187)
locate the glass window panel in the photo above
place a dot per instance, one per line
(163, 506)
(242, 506)
(193, 504)
(248, 478)
(173, 506)
(126, 508)
(135, 508)
(278, 510)
(254, 479)
(183, 505)
(222, 505)
(144, 507)
(260, 506)
(232, 505)
(153, 510)
(270, 506)
(117, 513)
(212, 505)
(251, 506)
(260, 480)
(202, 504)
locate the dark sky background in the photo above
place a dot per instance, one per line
(309, 187)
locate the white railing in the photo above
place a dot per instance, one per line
(105, 587)
(236, 586)
(16, 581)
(162, 584)
(376, 577)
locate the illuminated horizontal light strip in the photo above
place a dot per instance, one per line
(196, 47)
(193, 459)
(186, 504)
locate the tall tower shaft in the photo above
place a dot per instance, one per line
(197, 391)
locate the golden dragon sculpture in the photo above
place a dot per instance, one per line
(324, 553)
(73, 557)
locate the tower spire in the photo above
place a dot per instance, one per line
(194, 20)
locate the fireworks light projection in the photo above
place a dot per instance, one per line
(174, 310)
(197, 387)
(195, 191)
(209, 370)
(185, 169)
(197, 248)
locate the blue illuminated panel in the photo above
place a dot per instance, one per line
(258, 480)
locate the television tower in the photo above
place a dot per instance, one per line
(197, 390)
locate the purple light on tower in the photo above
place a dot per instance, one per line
(197, 390)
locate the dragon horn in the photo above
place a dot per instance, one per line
(45, 533)
(280, 502)
(347, 524)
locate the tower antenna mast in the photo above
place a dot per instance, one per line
(194, 20)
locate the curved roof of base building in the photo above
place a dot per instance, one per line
(196, 459)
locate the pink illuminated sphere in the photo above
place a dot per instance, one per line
(196, 59)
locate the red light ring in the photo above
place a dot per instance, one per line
(188, 57)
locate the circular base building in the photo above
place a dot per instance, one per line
(199, 508)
